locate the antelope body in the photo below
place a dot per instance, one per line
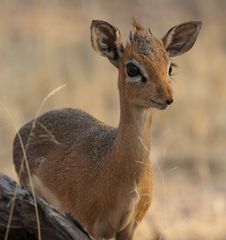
(99, 174)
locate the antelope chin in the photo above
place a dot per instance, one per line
(158, 105)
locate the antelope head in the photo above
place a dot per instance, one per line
(144, 64)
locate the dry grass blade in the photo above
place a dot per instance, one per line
(25, 160)
(31, 184)
(54, 91)
(165, 203)
(161, 237)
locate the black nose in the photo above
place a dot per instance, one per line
(169, 101)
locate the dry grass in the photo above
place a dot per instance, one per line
(24, 163)
(47, 44)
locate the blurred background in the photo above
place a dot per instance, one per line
(44, 44)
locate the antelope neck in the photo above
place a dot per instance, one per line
(134, 126)
(133, 140)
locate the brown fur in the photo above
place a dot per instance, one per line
(101, 175)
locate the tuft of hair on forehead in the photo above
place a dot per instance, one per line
(137, 25)
(139, 30)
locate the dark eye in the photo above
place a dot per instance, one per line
(170, 70)
(172, 65)
(132, 70)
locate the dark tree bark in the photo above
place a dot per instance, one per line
(54, 225)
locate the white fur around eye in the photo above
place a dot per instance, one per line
(134, 79)
(139, 77)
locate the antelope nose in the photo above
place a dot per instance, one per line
(169, 101)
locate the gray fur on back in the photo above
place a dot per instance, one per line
(66, 130)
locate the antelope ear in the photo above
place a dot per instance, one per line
(181, 38)
(106, 40)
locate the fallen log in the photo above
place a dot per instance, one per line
(54, 225)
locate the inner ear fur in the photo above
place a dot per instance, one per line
(106, 40)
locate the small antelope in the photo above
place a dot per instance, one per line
(100, 174)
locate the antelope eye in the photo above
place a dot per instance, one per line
(170, 70)
(132, 70)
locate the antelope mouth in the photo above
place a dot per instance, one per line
(158, 105)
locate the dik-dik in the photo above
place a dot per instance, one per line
(100, 174)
